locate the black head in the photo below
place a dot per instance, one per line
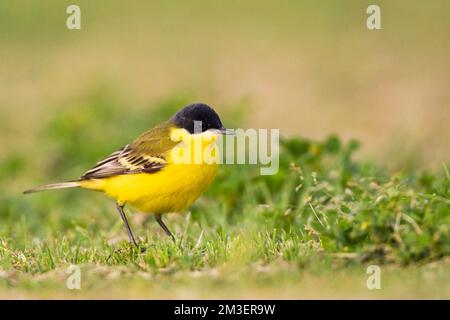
(198, 112)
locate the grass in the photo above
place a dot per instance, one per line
(309, 231)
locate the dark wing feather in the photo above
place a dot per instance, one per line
(147, 154)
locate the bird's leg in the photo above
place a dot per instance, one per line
(166, 230)
(127, 226)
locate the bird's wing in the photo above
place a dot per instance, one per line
(147, 154)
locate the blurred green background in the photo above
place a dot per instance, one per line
(309, 68)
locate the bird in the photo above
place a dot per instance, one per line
(158, 173)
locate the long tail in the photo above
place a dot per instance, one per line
(61, 185)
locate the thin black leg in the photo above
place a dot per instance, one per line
(127, 226)
(166, 230)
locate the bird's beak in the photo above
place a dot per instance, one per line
(226, 131)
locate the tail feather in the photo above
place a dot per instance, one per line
(61, 185)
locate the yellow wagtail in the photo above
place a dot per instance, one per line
(144, 173)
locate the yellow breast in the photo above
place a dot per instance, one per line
(171, 189)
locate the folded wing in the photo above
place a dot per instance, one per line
(147, 154)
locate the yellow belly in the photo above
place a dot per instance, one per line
(172, 189)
